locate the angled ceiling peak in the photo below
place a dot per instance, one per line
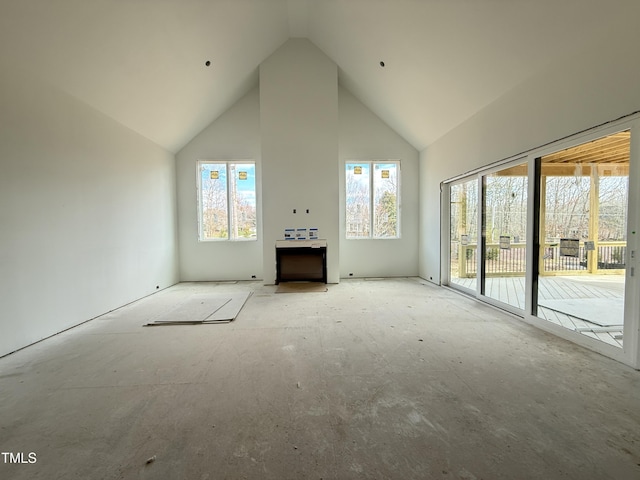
(298, 18)
(144, 63)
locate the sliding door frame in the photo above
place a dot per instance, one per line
(445, 201)
(629, 354)
(482, 245)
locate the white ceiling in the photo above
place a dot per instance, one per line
(142, 62)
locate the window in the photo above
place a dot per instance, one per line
(372, 199)
(227, 200)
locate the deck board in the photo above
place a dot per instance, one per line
(511, 291)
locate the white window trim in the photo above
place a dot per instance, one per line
(371, 163)
(199, 164)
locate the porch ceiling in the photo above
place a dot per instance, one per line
(610, 154)
(613, 149)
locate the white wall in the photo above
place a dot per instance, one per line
(299, 132)
(87, 213)
(596, 85)
(363, 136)
(235, 135)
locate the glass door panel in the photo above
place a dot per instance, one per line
(584, 196)
(463, 234)
(504, 235)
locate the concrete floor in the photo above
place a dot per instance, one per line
(387, 379)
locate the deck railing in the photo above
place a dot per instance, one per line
(512, 261)
(607, 256)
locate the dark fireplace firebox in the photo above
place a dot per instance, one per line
(301, 260)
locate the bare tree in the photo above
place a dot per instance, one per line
(357, 207)
(214, 206)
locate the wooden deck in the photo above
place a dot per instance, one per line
(589, 304)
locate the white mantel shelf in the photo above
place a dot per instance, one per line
(301, 243)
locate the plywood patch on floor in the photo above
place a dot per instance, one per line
(301, 287)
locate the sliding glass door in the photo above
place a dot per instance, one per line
(504, 234)
(583, 210)
(463, 238)
(552, 236)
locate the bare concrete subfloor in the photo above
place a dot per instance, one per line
(387, 379)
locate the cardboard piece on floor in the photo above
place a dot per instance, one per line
(202, 309)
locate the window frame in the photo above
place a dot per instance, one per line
(199, 202)
(371, 166)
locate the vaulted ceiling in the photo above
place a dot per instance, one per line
(142, 62)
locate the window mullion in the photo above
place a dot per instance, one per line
(371, 200)
(229, 202)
